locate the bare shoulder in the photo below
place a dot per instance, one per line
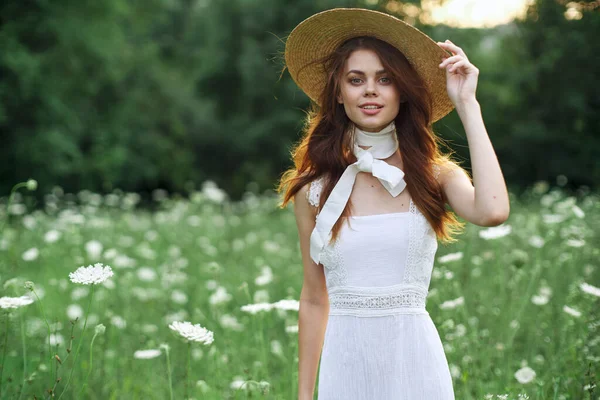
(446, 170)
(314, 288)
(302, 204)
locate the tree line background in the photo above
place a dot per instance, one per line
(139, 95)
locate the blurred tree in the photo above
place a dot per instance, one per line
(554, 123)
(85, 101)
(146, 94)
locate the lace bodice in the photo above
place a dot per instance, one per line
(381, 263)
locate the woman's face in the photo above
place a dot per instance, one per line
(363, 82)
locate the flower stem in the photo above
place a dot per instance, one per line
(10, 197)
(41, 307)
(24, 357)
(90, 368)
(4, 354)
(187, 370)
(169, 373)
(87, 313)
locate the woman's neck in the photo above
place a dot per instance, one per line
(384, 132)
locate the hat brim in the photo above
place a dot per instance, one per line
(320, 34)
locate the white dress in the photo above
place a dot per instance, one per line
(380, 342)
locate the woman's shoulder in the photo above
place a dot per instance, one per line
(442, 167)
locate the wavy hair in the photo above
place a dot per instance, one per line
(325, 148)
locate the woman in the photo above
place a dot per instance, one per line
(370, 188)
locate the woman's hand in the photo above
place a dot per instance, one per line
(461, 75)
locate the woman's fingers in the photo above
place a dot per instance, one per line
(448, 45)
(450, 60)
(456, 65)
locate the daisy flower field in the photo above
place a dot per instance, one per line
(197, 297)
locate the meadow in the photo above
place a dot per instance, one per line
(516, 306)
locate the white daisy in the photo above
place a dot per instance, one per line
(118, 321)
(449, 304)
(254, 308)
(454, 371)
(220, 296)
(179, 297)
(91, 274)
(575, 242)
(495, 232)
(537, 241)
(450, 257)
(261, 296)
(572, 311)
(52, 236)
(211, 284)
(287, 305)
(270, 246)
(545, 291)
(94, 249)
(15, 302)
(17, 209)
(31, 254)
(212, 192)
(109, 254)
(265, 277)
(123, 261)
(589, 289)
(276, 347)
(578, 212)
(147, 354)
(56, 339)
(525, 375)
(29, 222)
(539, 300)
(74, 311)
(192, 333)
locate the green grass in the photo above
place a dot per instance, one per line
(200, 260)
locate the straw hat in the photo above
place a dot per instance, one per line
(320, 34)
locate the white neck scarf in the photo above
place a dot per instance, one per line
(383, 144)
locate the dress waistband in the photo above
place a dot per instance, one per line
(377, 301)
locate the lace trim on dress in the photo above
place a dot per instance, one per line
(313, 194)
(375, 301)
(422, 245)
(333, 262)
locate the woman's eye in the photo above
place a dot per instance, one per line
(358, 79)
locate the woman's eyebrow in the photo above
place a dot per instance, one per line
(356, 71)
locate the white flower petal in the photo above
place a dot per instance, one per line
(91, 274)
(192, 333)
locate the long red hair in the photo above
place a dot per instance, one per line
(325, 148)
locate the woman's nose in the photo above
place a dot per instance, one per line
(370, 88)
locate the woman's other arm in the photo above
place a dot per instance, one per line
(314, 301)
(484, 202)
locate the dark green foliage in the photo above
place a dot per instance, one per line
(145, 94)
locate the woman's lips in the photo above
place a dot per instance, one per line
(370, 111)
